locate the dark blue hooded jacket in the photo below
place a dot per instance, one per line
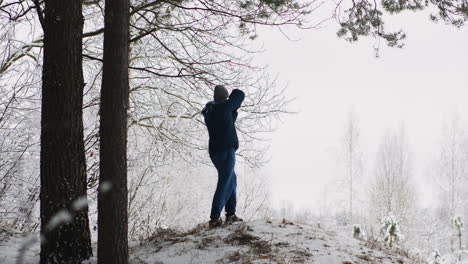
(220, 118)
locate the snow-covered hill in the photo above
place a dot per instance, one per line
(262, 242)
(251, 242)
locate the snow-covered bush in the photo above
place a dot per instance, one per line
(390, 230)
(357, 232)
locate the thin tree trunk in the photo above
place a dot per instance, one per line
(351, 160)
(112, 200)
(63, 167)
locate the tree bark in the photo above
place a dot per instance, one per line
(112, 199)
(63, 167)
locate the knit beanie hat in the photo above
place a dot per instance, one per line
(220, 93)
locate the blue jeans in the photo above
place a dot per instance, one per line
(225, 195)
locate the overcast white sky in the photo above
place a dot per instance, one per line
(417, 85)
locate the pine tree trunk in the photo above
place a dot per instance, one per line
(112, 201)
(63, 167)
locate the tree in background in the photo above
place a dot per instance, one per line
(451, 169)
(112, 197)
(20, 93)
(63, 166)
(391, 189)
(353, 156)
(449, 176)
(18, 141)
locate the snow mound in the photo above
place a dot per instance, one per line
(262, 242)
(247, 243)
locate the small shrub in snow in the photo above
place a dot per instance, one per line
(435, 258)
(390, 230)
(357, 233)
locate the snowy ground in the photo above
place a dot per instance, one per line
(253, 242)
(18, 248)
(262, 242)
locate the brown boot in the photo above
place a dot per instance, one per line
(215, 223)
(233, 218)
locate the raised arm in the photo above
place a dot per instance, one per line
(235, 99)
(234, 115)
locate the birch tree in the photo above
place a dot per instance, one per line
(451, 168)
(391, 188)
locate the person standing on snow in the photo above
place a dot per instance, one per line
(220, 116)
